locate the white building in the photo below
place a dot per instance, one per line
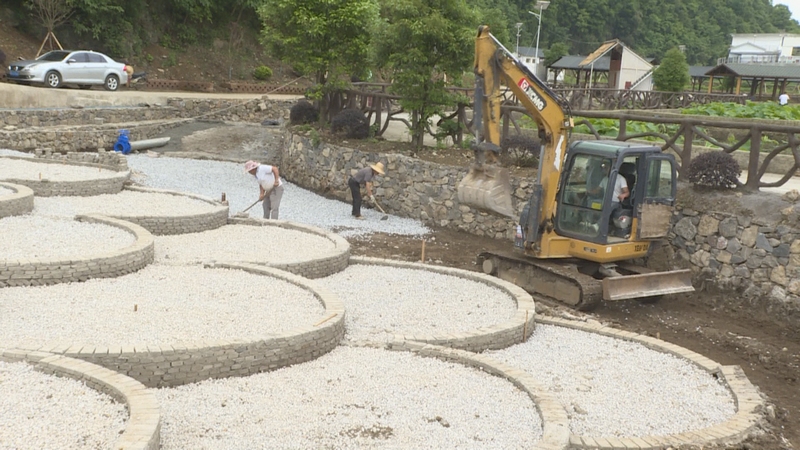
(626, 70)
(527, 56)
(763, 48)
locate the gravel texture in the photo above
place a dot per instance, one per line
(7, 152)
(242, 243)
(5, 191)
(126, 203)
(352, 398)
(32, 170)
(39, 411)
(157, 305)
(617, 388)
(383, 300)
(32, 237)
(212, 178)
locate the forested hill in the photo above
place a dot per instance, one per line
(651, 27)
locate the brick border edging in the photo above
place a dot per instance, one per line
(143, 429)
(493, 337)
(735, 430)
(18, 203)
(170, 365)
(44, 271)
(169, 225)
(321, 267)
(80, 188)
(555, 422)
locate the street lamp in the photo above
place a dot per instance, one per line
(518, 25)
(542, 5)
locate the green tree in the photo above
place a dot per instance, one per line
(673, 73)
(326, 39)
(555, 52)
(420, 42)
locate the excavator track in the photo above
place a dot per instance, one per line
(556, 280)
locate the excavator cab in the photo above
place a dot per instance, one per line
(597, 174)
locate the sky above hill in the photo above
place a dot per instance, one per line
(794, 7)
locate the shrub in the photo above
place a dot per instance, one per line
(262, 73)
(519, 150)
(714, 169)
(352, 122)
(303, 112)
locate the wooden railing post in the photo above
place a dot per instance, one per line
(752, 166)
(686, 154)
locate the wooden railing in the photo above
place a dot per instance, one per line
(685, 131)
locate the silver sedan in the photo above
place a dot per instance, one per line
(59, 67)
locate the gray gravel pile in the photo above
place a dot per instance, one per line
(617, 388)
(382, 300)
(157, 305)
(47, 412)
(242, 243)
(352, 398)
(32, 237)
(32, 170)
(125, 203)
(212, 178)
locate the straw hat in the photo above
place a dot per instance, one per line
(377, 167)
(250, 165)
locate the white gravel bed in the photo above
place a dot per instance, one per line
(32, 237)
(617, 388)
(156, 305)
(125, 203)
(39, 411)
(352, 398)
(5, 191)
(35, 171)
(212, 178)
(383, 300)
(7, 152)
(242, 243)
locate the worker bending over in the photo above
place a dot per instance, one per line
(270, 186)
(363, 178)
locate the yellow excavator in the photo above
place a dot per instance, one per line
(595, 205)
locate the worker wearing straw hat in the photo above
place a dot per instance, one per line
(270, 186)
(363, 177)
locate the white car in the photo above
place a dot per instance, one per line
(59, 67)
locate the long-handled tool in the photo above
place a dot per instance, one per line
(244, 213)
(385, 217)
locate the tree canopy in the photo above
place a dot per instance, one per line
(673, 73)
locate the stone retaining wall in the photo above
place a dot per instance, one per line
(759, 260)
(555, 422)
(17, 203)
(320, 267)
(411, 187)
(50, 117)
(38, 272)
(194, 223)
(81, 188)
(143, 429)
(745, 422)
(184, 363)
(502, 335)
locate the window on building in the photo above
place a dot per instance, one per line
(795, 51)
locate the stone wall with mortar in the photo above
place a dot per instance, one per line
(108, 264)
(216, 217)
(143, 428)
(82, 188)
(411, 187)
(183, 363)
(502, 335)
(758, 260)
(18, 202)
(323, 266)
(52, 117)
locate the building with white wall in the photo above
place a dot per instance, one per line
(763, 48)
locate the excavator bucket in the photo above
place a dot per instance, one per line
(487, 188)
(649, 284)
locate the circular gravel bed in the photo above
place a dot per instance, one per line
(352, 398)
(21, 169)
(125, 204)
(383, 301)
(616, 388)
(158, 305)
(5, 191)
(46, 411)
(212, 178)
(15, 199)
(33, 237)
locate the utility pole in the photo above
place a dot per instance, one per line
(542, 5)
(518, 25)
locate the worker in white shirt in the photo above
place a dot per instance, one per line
(270, 186)
(783, 99)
